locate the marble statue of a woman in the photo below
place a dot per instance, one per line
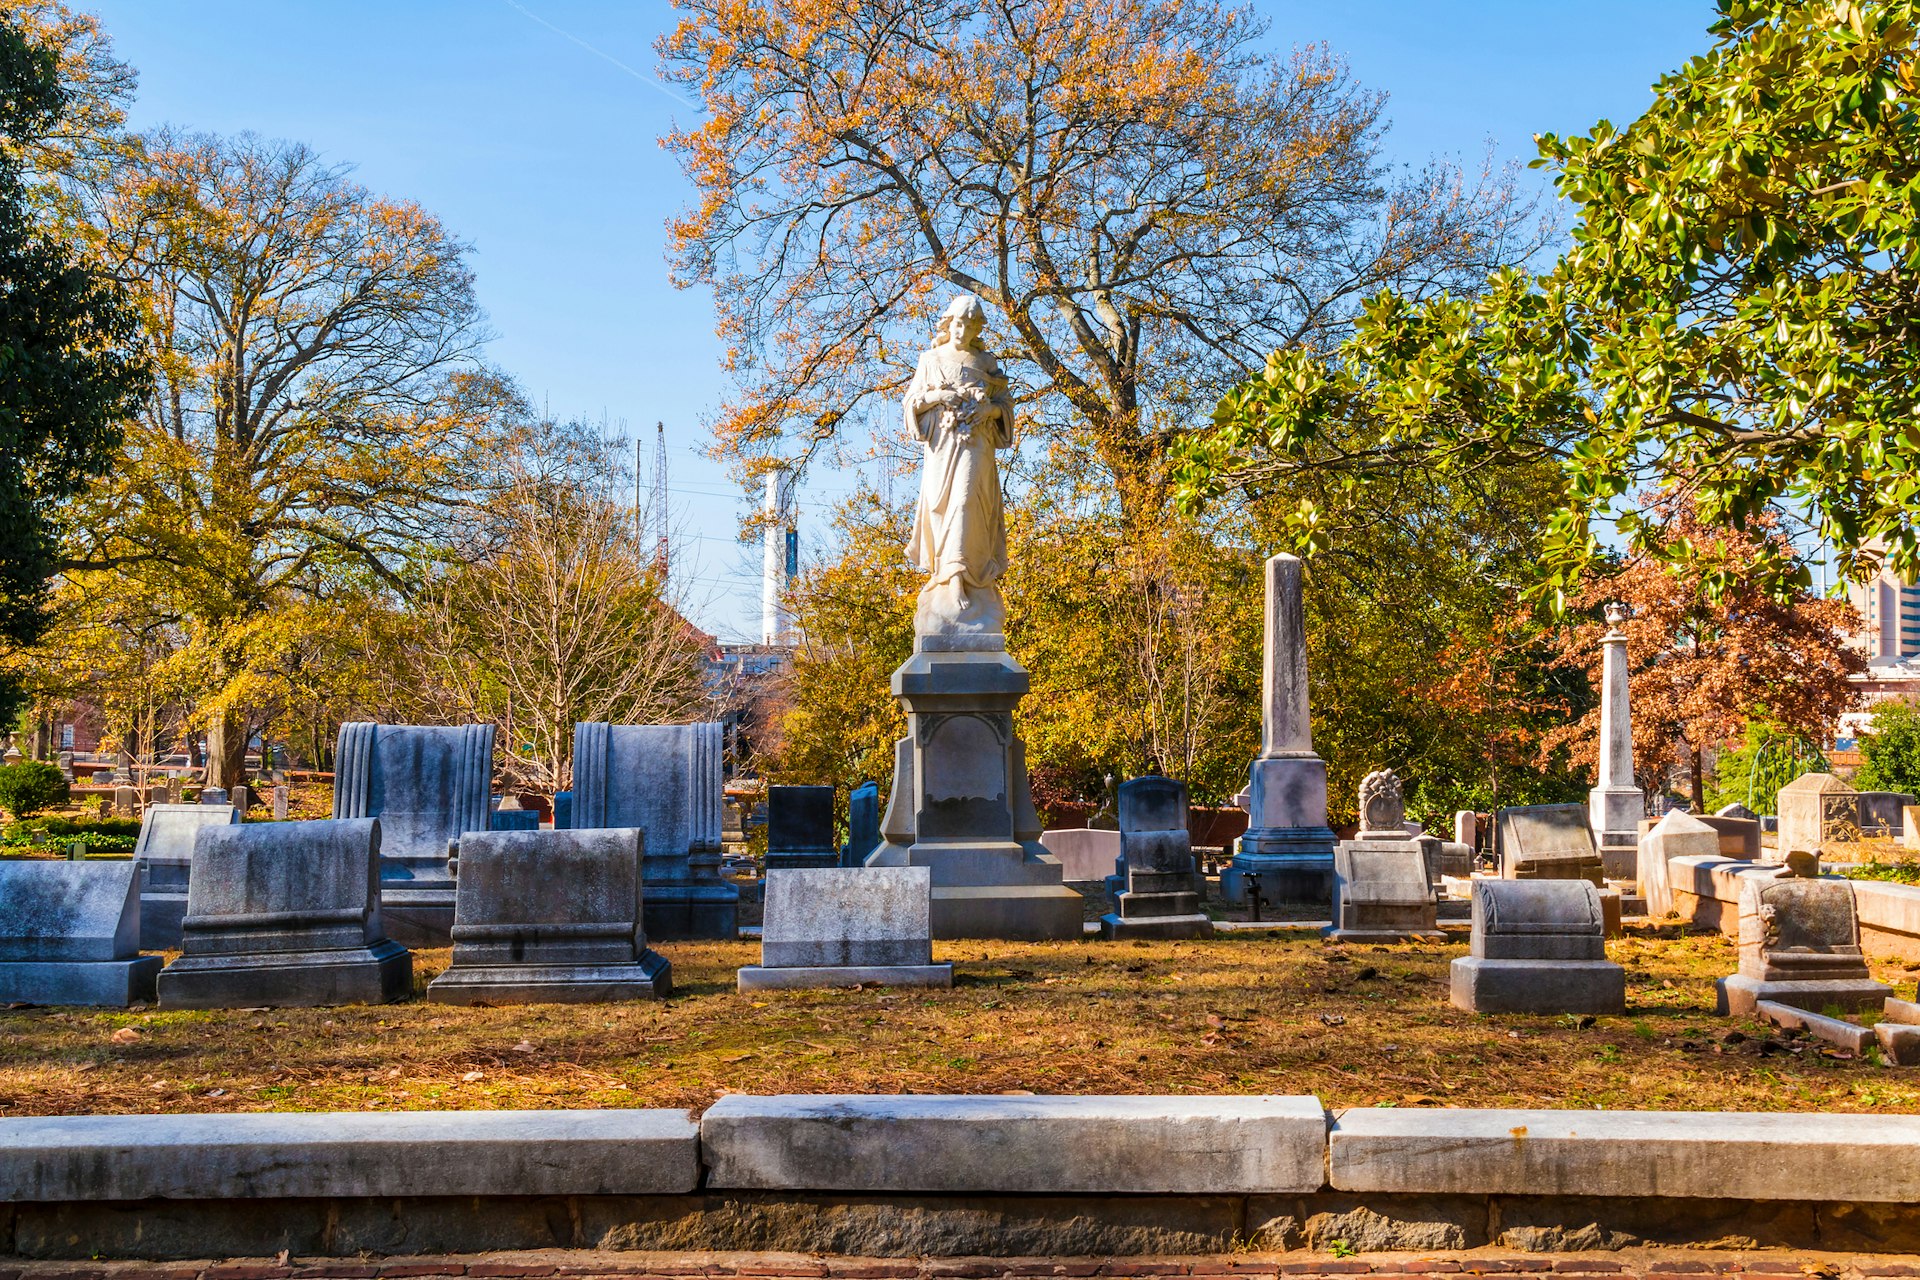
(958, 407)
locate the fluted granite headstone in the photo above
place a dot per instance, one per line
(666, 780)
(286, 913)
(800, 828)
(840, 927)
(70, 934)
(1287, 850)
(550, 917)
(1159, 900)
(429, 785)
(164, 855)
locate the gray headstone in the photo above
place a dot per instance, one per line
(1548, 842)
(428, 785)
(1159, 900)
(844, 917)
(863, 824)
(280, 803)
(214, 795)
(1800, 947)
(70, 934)
(1085, 854)
(166, 839)
(563, 811)
(1538, 947)
(1735, 810)
(242, 798)
(550, 916)
(666, 780)
(800, 828)
(126, 801)
(1152, 803)
(286, 913)
(1381, 891)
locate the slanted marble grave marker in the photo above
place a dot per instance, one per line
(838, 927)
(164, 854)
(70, 934)
(1678, 835)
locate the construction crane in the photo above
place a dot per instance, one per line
(660, 558)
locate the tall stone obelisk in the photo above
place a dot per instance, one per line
(1288, 847)
(960, 803)
(1616, 805)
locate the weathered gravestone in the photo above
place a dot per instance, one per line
(837, 927)
(1383, 878)
(563, 811)
(800, 828)
(286, 913)
(550, 917)
(863, 824)
(242, 798)
(510, 820)
(429, 785)
(1159, 900)
(1816, 809)
(1538, 947)
(1799, 945)
(280, 803)
(1548, 842)
(212, 795)
(70, 934)
(1678, 835)
(1086, 854)
(164, 854)
(665, 779)
(126, 801)
(1735, 810)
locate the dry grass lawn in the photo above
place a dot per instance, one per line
(1247, 1013)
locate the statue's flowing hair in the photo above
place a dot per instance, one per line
(960, 306)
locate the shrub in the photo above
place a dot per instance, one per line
(1892, 750)
(103, 835)
(30, 786)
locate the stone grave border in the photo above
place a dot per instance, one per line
(909, 1176)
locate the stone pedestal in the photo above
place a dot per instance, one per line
(960, 805)
(1287, 850)
(550, 917)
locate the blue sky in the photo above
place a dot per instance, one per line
(531, 128)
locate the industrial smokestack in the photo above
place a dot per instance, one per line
(780, 557)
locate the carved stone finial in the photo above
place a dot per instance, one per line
(1617, 613)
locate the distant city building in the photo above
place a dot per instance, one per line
(1890, 611)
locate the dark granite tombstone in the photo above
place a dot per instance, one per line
(1159, 900)
(863, 824)
(800, 828)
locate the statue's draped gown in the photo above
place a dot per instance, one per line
(959, 534)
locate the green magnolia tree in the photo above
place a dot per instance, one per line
(1892, 750)
(1733, 322)
(69, 373)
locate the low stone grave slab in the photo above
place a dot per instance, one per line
(1665, 1154)
(286, 913)
(1538, 947)
(842, 927)
(1835, 1031)
(550, 917)
(1016, 1145)
(405, 1154)
(165, 856)
(1799, 945)
(70, 934)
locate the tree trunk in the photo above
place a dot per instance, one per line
(227, 751)
(1699, 784)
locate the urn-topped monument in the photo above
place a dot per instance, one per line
(960, 805)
